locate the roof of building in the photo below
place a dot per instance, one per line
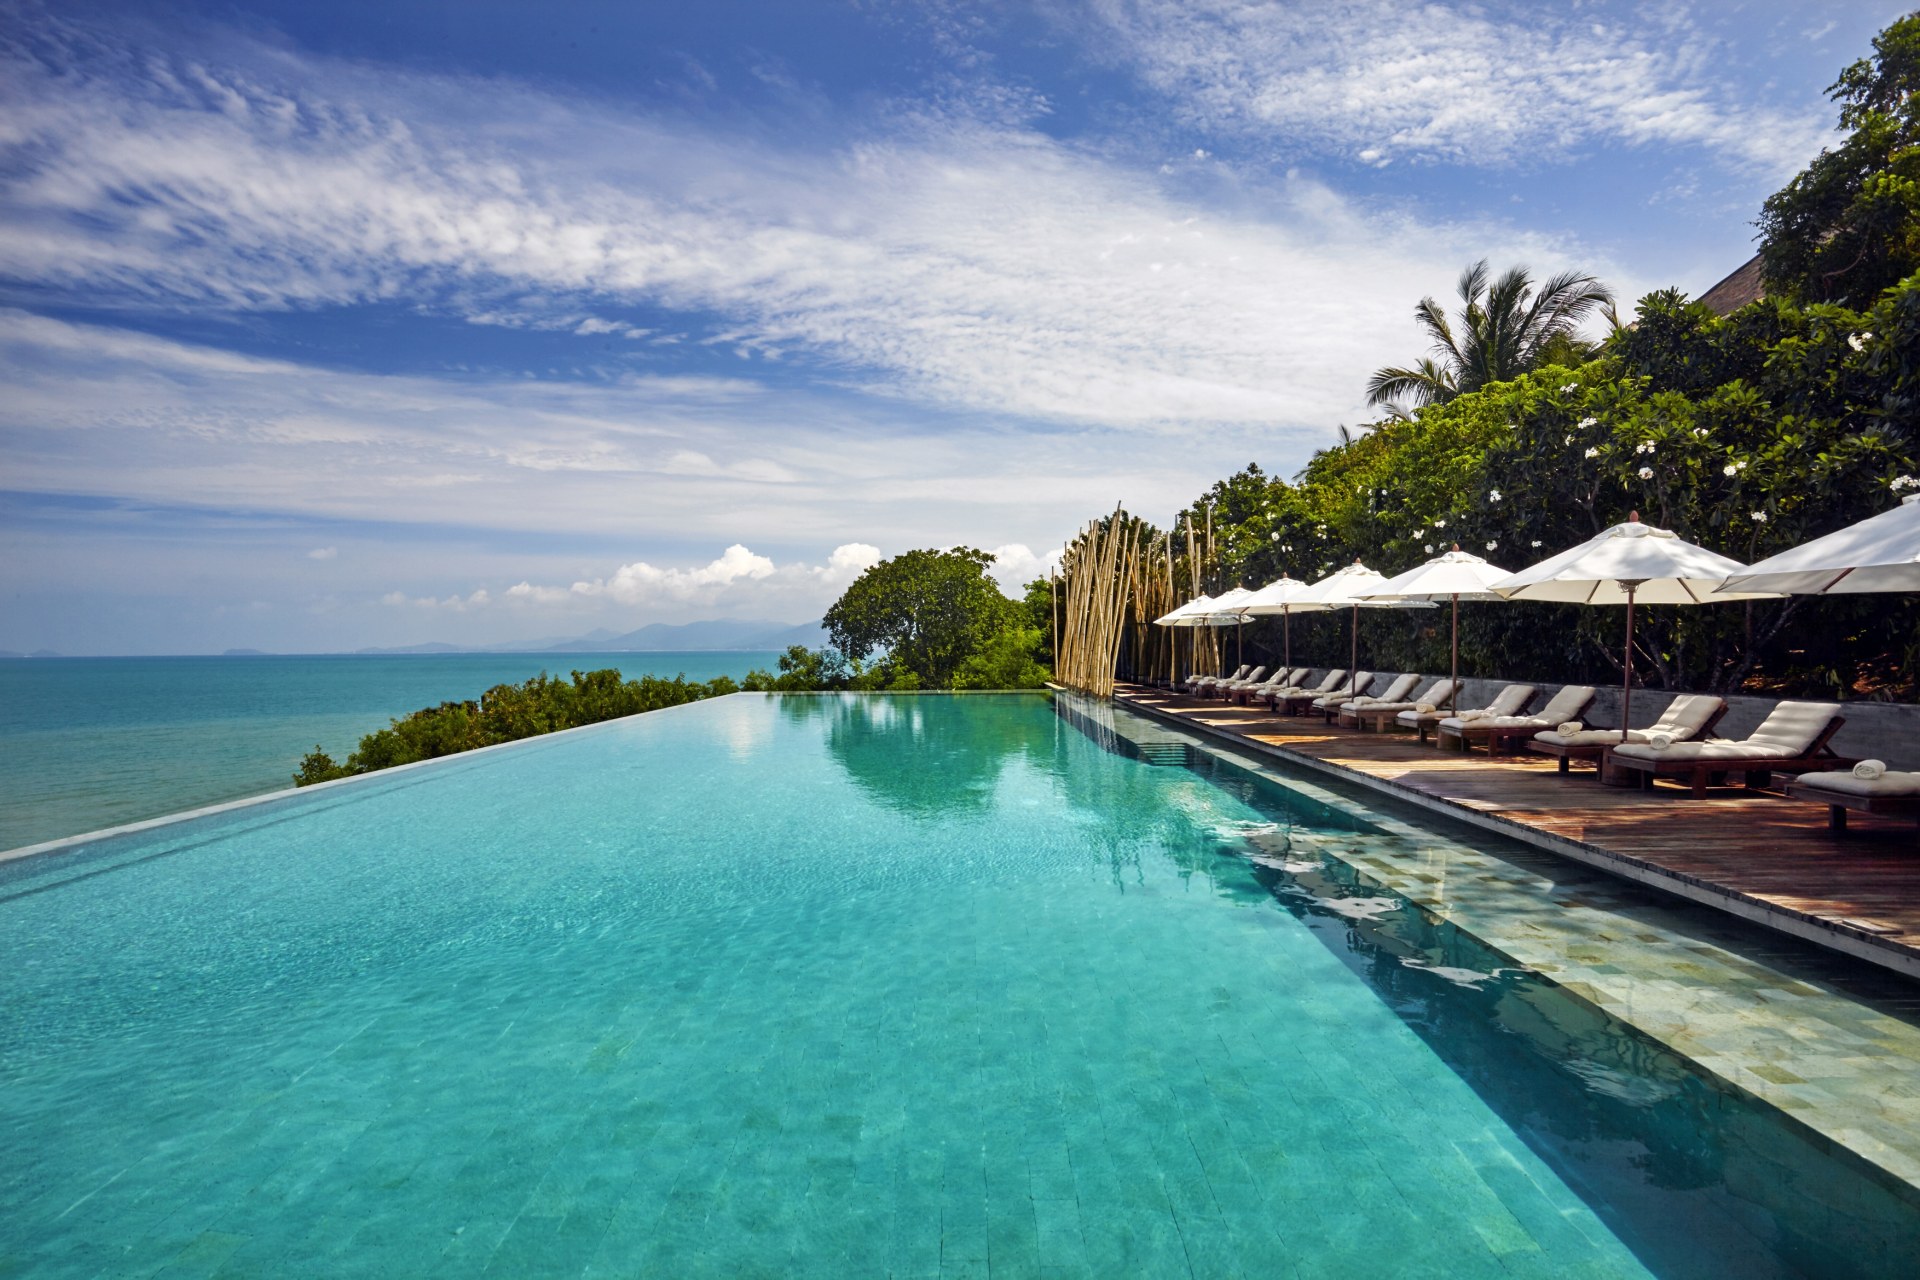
(1737, 290)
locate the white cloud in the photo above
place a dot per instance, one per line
(323, 553)
(979, 266)
(641, 582)
(1015, 565)
(1490, 85)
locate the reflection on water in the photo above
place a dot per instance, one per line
(1700, 1178)
(928, 756)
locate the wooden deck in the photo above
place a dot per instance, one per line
(1756, 854)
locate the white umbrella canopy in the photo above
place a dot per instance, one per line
(1630, 560)
(1189, 614)
(1281, 596)
(1458, 575)
(1880, 553)
(1627, 564)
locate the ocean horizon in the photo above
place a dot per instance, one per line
(88, 743)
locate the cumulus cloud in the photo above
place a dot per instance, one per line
(323, 553)
(1015, 565)
(1382, 79)
(955, 261)
(640, 581)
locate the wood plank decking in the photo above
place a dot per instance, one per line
(1757, 854)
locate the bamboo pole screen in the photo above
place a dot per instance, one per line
(1116, 577)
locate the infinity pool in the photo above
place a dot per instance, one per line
(840, 987)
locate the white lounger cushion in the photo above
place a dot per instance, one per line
(1890, 783)
(1683, 718)
(1787, 732)
(1399, 689)
(1505, 703)
(1437, 692)
(1361, 679)
(1301, 688)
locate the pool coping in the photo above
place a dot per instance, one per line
(1858, 944)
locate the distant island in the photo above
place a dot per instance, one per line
(655, 637)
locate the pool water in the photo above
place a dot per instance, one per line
(836, 986)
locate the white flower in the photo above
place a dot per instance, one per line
(1646, 473)
(1439, 524)
(1492, 545)
(1568, 440)
(1700, 431)
(1493, 495)
(1904, 482)
(1859, 341)
(1276, 537)
(1536, 542)
(1587, 422)
(1593, 453)
(1739, 466)
(1729, 470)
(1571, 386)
(1429, 548)
(1645, 446)
(1760, 517)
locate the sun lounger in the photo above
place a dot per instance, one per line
(1396, 692)
(1689, 716)
(1894, 794)
(1502, 734)
(1328, 704)
(1290, 701)
(1792, 739)
(1371, 714)
(1198, 685)
(1284, 678)
(1509, 701)
(1227, 688)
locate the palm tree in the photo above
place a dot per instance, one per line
(1505, 330)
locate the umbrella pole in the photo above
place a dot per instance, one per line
(1353, 671)
(1286, 634)
(1626, 688)
(1453, 689)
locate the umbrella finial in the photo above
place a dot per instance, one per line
(1456, 546)
(1633, 517)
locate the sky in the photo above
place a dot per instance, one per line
(326, 325)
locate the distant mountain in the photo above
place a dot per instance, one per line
(656, 637)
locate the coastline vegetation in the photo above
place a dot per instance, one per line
(922, 620)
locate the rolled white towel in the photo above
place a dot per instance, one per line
(1659, 741)
(1469, 715)
(1425, 708)
(1868, 770)
(1570, 726)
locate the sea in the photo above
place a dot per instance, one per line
(90, 743)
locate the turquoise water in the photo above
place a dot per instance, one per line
(90, 743)
(828, 986)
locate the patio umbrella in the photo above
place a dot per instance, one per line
(1880, 553)
(1281, 596)
(1228, 605)
(1455, 576)
(1629, 563)
(1201, 611)
(1347, 589)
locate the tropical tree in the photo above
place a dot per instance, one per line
(929, 610)
(1848, 226)
(1505, 328)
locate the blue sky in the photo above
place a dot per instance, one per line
(327, 325)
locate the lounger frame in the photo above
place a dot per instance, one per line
(1839, 802)
(1596, 752)
(1700, 774)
